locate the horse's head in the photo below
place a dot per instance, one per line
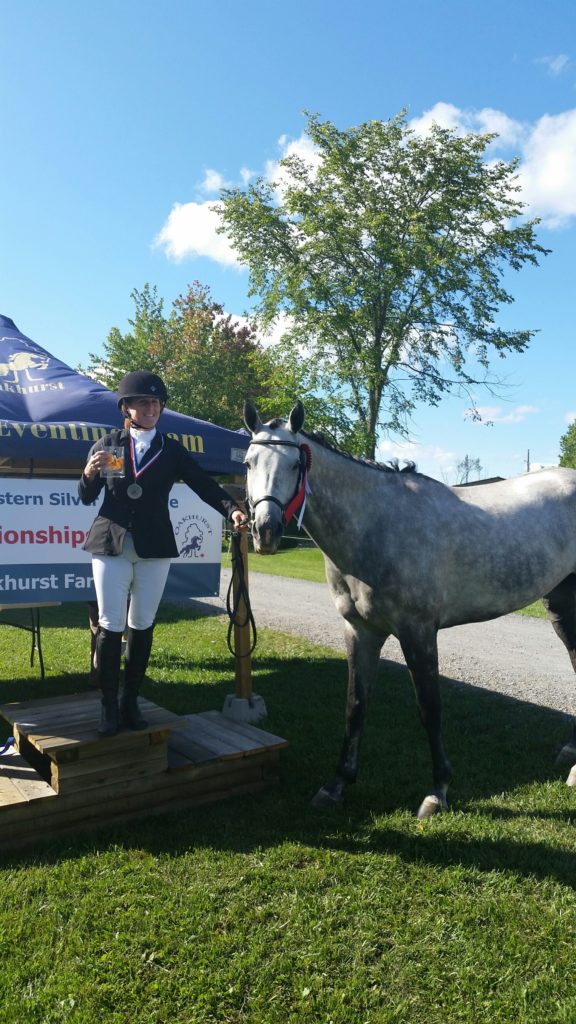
(276, 464)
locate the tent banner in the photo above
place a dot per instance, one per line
(43, 527)
(48, 411)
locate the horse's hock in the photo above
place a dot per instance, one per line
(61, 777)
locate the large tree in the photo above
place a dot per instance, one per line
(568, 447)
(388, 251)
(132, 350)
(209, 361)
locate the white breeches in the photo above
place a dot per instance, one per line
(119, 577)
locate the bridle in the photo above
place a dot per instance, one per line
(288, 508)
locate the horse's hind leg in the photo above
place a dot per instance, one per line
(363, 648)
(561, 607)
(420, 649)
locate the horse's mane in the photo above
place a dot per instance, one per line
(393, 466)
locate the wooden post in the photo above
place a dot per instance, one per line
(243, 660)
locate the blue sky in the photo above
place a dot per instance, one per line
(119, 121)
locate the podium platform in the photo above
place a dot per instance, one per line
(62, 777)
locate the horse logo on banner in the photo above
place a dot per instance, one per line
(23, 363)
(191, 533)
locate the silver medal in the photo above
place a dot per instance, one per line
(134, 491)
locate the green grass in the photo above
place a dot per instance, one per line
(536, 610)
(297, 563)
(262, 911)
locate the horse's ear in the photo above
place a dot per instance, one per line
(251, 417)
(296, 418)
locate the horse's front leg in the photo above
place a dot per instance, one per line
(363, 649)
(420, 648)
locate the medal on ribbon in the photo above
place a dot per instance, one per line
(134, 491)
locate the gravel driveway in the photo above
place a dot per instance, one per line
(513, 655)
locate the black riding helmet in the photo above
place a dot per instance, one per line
(141, 384)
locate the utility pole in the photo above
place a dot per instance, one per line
(528, 461)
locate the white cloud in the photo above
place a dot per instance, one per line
(429, 459)
(509, 131)
(548, 169)
(487, 120)
(569, 417)
(213, 182)
(302, 147)
(282, 323)
(555, 65)
(445, 115)
(191, 230)
(547, 150)
(494, 413)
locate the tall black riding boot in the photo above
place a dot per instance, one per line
(94, 628)
(108, 648)
(138, 647)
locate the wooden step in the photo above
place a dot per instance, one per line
(68, 725)
(174, 764)
(20, 784)
(210, 736)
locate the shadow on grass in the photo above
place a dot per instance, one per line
(497, 745)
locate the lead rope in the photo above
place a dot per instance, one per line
(232, 605)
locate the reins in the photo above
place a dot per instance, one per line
(289, 508)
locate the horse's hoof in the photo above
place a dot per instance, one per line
(324, 798)
(571, 780)
(430, 806)
(567, 757)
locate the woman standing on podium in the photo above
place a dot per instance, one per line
(132, 540)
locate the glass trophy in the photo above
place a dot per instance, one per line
(115, 463)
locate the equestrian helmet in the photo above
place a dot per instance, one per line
(141, 384)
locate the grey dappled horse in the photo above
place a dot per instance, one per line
(406, 556)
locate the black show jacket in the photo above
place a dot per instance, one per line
(147, 517)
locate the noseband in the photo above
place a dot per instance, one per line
(298, 501)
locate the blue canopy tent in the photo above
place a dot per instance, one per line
(50, 415)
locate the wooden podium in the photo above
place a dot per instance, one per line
(62, 777)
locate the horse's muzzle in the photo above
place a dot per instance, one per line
(267, 533)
